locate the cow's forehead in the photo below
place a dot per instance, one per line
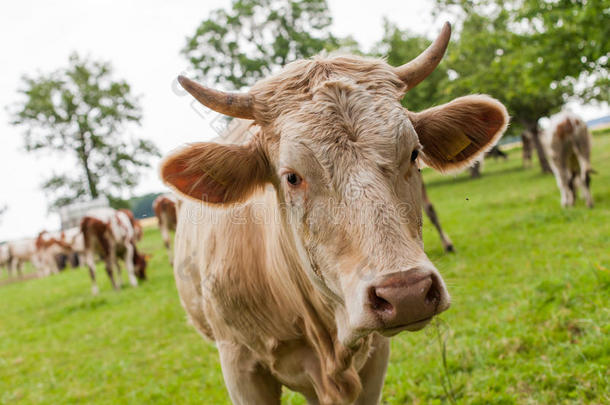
(298, 82)
(343, 120)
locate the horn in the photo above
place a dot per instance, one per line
(413, 72)
(236, 105)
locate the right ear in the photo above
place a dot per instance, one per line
(216, 173)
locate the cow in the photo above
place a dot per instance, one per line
(165, 211)
(50, 245)
(21, 251)
(5, 256)
(74, 238)
(299, 252)
(137, 227)
(567, 143)
(111, 234)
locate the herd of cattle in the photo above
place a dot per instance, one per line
(105, 233)
(310, 298)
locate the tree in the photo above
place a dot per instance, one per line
(532, 55)
(235, 48)
(82, 112)
(3, 209)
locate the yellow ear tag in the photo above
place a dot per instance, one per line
(457, 144)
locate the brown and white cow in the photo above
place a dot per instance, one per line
(567, 143)
(300, 251)
(49, 246)
(137, 227)
(111, 234)
(165, 211)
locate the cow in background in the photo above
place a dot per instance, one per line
(137, 227)
(567, 143)
(74, 238)
(112, 235)
(165, 211)
(22, 251)
(5, 257)
(49, 246)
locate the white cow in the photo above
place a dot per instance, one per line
(300, 251)
(567, 142)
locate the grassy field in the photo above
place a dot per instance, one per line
(530, 321)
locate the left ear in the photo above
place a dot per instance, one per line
(455, 134)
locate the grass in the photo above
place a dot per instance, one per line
(529, 324)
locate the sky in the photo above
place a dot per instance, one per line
(142, 40)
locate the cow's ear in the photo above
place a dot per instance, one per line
(216, 173)
(455, 134)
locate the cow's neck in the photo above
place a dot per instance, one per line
(318, 311)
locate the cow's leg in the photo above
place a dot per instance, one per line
(119, 272)
(129, 255)
(584, 178)
(110, 259)
(12, 265)
(90, 261)
(247, 382)
(585, 184)
(372, 374)
(166, 236)
(431, 213)
(562, 176)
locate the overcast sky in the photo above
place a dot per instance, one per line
(142, 40)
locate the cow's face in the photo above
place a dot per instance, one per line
(139, 262)
(343, 156)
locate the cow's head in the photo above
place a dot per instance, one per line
(139, 265)
(342, 154)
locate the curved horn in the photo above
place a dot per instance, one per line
(413, 72)
(238, 105)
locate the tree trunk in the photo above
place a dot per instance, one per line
(526, 141)
(92, 187)
(475, 170)
(544, 163)
(83, 155)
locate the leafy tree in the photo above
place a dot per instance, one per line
(532, 55)
(237, 47)
(82, 112)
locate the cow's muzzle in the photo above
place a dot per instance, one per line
(406, 300)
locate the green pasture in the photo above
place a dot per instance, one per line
(529, 324)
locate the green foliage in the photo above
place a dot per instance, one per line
(530, 287)
(82, 112)
(530, 54)
(235, 48)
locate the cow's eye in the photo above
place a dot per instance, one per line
(293, 179)
(414, 155)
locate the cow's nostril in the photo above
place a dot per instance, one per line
(378, 303)
(433, 296)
